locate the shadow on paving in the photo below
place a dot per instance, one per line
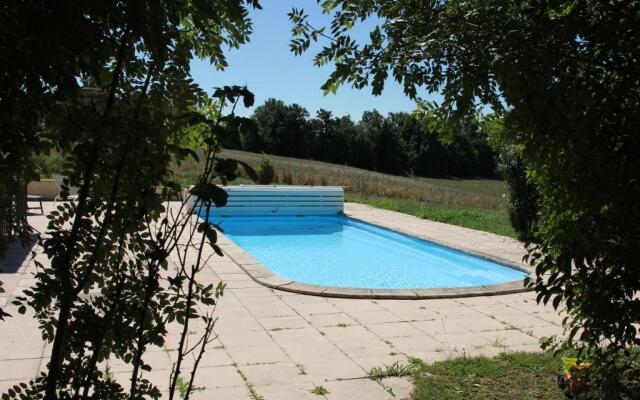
(16, 255)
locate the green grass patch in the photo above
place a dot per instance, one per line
(319, 390)
(475, 218)
(505, 377)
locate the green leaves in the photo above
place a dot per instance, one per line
(232, 93)
(208, 192)
(207, 229)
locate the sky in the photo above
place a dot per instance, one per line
(269, 69)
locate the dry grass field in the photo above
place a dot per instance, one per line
(473, 203)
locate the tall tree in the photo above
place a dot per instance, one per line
(565, 76)
(283, 128)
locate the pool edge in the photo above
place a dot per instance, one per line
(264, 276)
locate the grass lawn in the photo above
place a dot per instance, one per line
(507, 376)
(475, 218)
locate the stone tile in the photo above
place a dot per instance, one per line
(226, 393)
(356, 348)
(237, 276)
(261, 301)
(356, 389)
(349, 332)
(24, 369)
(257, 355)
(19, 349)
(256, 338)
(322, 320)
(508, 338)
(11, 332)
(274, 374)
(496, 309)
(252, 292)
(304, 336)
(551, 317)
(279, 310)
(354, 306)
(299, 301)
(158, 360)
(401, 387)
(316, 309)
(216, 357)
(411, 312)
(318, 352)
(366, 363)
(529, 307)
(216, 377)
(456, 312)
(414, 345)
(438, 326)
(397, 329)
(476, 324)
(462, 341)
(522, 321)
(286, 392)
(288, 322)
(375, 317)
(545, 331)
(321, 371)
(479, 300)
(241, 284)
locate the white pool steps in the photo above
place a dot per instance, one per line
(282, 200)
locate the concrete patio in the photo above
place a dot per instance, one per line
(280, 345)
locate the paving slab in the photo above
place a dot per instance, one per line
(270, 335)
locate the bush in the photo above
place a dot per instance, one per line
(265, 171)
(523, 195)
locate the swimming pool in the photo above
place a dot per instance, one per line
(337, 251)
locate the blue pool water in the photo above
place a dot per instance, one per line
(342, 252)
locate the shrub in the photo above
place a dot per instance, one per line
(265, 170)
(523, 195)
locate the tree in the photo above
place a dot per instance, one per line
(564, 75)
(283, 128)
(327, 141)
(107, 85)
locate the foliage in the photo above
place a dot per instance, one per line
(399, 143)
(107, 86)
(282, 128)
(507, 376)
(47, 164)
(319, 390)
(564, 76)
(266, 173)
(397, 369)
(523, 195)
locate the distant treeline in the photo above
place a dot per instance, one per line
(396, 144)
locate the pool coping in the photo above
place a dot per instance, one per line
(262, 275)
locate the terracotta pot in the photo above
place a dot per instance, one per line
(47, 188)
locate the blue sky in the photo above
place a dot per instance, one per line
(269, 69)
